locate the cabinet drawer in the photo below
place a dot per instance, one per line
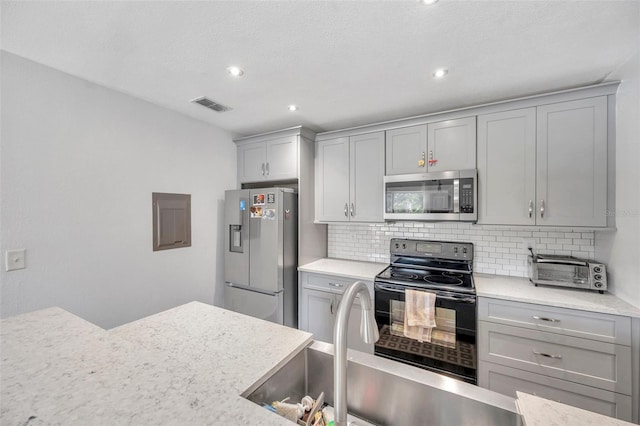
(599, 364)
(331, 283)
(507, 381)
(569, 322)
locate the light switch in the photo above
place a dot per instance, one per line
(14, 259)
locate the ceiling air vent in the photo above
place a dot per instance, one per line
(206, 102)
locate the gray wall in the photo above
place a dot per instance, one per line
(78, 165)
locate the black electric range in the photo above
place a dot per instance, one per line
(442, 268)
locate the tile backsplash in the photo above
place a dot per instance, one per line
(500, 250)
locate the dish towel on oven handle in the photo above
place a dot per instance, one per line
(419, 314)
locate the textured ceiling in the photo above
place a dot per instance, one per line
(345, 63)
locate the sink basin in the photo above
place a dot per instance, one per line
(386, 392)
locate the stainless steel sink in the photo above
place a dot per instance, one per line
(385, 392)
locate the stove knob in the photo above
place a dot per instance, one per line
(455, 250)
(404, 246)
(397, 245)
(464, 250)
(597, 269)
(598, 277)
(598, 284)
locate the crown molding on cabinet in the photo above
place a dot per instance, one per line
(608, 88)
(290, 131)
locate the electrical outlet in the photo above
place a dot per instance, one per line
(14, 259)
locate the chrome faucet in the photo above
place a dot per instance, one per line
(368, 332)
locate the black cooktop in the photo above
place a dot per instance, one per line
(428, 279)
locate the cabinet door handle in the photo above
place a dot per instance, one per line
(267, 168)
(530, 209)
(331, 308)
(346, 209)
(336, 285)
(535, 317)
(352, 210)
(431, 160)
(542, 209)
(547, 355)
(262, 169)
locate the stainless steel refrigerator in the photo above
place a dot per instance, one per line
(261, 253)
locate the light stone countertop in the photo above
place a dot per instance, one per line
(187, 365)
(543, 412)
(496, 286)
(345, 268)
(522, 290)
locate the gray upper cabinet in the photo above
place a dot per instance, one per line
(572, 163)
(451, 145)
(251, 159)
(274, 159)
(433, 147)
(406, 150)
(349, 174)
(366, 177)
(332, 180)
(544, 165)
(507, 167)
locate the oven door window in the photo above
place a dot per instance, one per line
(434, 196)
(452, 349)
(443, 334)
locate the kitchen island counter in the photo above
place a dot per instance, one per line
(187, 365)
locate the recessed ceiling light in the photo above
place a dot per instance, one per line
(292, 107)
(441, 72)
(235, 71)
(429, 2)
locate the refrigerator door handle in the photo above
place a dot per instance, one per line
(256, 290)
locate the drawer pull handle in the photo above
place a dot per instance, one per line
(336, 285)
(545, 319)
(547, 355)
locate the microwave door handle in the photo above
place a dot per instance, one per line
(456, 195)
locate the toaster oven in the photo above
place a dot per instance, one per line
(567, 271)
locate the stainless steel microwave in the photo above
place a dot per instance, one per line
(438, 196)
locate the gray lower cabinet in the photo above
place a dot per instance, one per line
(318, 313)
(574, 357)
(507, 380)
(319, 299)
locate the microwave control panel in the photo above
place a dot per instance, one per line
(466, 195)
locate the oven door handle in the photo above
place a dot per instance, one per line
(438, 295)
(389, 288)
